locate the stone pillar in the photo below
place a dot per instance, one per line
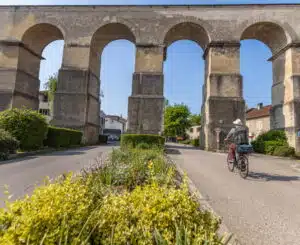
(285, 113)
(222, 92)
(146, 103)
(19, 76)
(76, 102)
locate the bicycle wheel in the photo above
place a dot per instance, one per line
(230, 164)
(244, 166)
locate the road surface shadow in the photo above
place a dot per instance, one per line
(171, 151)
(259, 176)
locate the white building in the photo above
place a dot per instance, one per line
(194, 132)
(44, 105)
(113, 122)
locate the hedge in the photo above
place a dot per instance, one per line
(274, 143)
(103, 139)
(133, 140)
(62, 137)
(284, 151)
(27, 126)
(273, 135)
(8, 144)
(195, 142)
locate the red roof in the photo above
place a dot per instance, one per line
(258, 113)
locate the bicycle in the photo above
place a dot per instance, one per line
(241, 162)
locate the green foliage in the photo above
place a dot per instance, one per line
(133, 140)
(132, 218)
(27, 126)
(273, 135)
(195, 142)
(284, 151)
(258, 146)
(186, 142)
(8, 144)
(51, 86)
(274, 143)
(176, 120)
(143, 146)
(103, 139)
(55, 212)
(270, 146)
(63, 137)
(135, 167)
(195, 119)
(129, 199)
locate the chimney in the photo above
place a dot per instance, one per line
(259, 106)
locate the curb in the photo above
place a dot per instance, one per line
(41, 152)
(231, 238)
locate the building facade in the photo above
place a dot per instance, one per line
(102, 121)
(44, 105)
(194, 132)
(258, 120)
(113, 122)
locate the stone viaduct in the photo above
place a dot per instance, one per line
(86, 30)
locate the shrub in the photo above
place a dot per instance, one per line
(143, 146)
(273, 135)
(132, 140)
(8, 144)
(103, 139)
(53, 212)
(132, 218)
(258, 146)
(270, 146)
(284, 151)
(85, 210)
(195, 142)
(27, 126)
(63, 137)
(134, 167)
(186, 142)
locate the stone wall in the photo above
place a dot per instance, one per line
(86, 30)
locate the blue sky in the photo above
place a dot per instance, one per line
(183, 70)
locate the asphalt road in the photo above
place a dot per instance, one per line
(264, 209)
(22, 174)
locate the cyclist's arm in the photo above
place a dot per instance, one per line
(230, 134)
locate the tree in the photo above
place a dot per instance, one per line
(51, 86)
(176, 120)
(195, 119)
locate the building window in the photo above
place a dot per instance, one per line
(45, 112)
(198, 129)
(191, 130)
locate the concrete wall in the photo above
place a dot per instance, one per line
(26, 30)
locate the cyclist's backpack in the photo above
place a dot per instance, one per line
(241, 136)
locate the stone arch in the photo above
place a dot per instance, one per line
(187, 30)
(103, 36)
(38, 36)
(111, 32)
(271, 34)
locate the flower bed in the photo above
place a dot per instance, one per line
(131, 198)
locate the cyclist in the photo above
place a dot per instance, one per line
(238, 135)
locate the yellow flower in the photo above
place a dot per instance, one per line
(150, 164)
